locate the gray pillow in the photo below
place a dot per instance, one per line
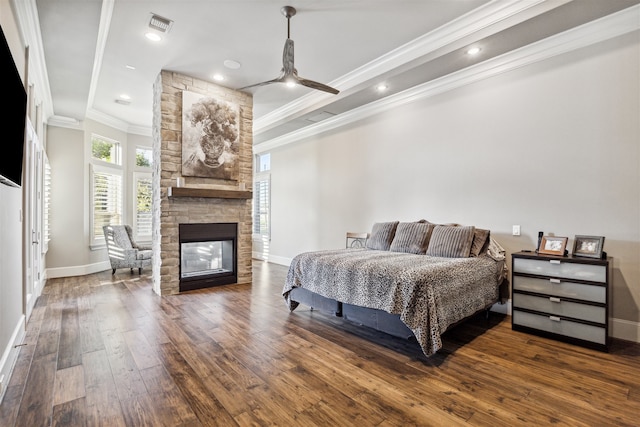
(480, 241)
(382, 235)
(412, 237)
(450, 241)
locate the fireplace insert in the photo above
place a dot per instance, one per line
(208, 255)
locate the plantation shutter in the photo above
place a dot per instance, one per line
(143, 207)
(261, 206)
(107, 199)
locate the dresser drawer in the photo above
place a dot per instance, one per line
(562, 327)
(558, 307)
(558, 288)
(560, 268)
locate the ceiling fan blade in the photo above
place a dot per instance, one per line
(268, 82)
(318, 86)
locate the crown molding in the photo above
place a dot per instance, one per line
(139, 130)
(26, 13)
(103, 32)
(107, 119)
(64, 122)
(600, 30)
(118, 124)
(480, 22)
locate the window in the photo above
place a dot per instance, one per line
(106, 186)
(261, 207)
(263, 162)
(106, 194)
(142, 206)
(142, 194)
(144, 157)
(262, 196)
(105, 150)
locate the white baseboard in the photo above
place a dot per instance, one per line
(10, 354)
(625, 330)
(258, 255)
(77, 270)
(273, 259)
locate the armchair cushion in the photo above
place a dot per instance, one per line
(146, 254)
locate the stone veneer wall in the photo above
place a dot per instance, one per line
(167, 162)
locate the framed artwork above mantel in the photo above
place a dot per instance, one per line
(210, 137)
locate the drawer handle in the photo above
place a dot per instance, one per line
(556, 281)
(554, 318)
(554, 299)
(554, 261)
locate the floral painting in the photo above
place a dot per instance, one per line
(210, 137)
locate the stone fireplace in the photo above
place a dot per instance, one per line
(185, 206)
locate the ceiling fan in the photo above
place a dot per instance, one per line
(289, 74)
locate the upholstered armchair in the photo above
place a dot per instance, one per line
(123, 250)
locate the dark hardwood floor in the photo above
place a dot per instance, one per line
(104, 350)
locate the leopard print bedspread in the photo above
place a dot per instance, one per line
(429, 293)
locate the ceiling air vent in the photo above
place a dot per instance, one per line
(323, 115)
(159, 23)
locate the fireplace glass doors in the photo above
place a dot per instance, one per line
(206, 258)
(208, 255)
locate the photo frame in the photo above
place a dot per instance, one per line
(588, 246)
(552, 245)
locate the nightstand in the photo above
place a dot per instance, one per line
(564, 298)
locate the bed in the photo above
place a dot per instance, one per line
(434, 277)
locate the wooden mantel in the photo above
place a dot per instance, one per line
(208, 193)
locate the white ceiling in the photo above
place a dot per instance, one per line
(349, 44)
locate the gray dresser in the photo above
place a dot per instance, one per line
(564, 298)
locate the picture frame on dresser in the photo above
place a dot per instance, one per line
(588, 246)
(552, 245)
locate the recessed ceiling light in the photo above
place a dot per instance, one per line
(230, 63)
(473, 50)
(130, 67)
(382, 87)
(154, 37)
(125, 96)
(218, 77)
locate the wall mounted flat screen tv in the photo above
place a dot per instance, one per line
(13, 118)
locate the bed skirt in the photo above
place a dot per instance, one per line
(377, 319)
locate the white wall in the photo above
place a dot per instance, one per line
(12, 319)
(552, 146)
(69, 236)
(69, 155)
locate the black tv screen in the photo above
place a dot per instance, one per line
(13, 118)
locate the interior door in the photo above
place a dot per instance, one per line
(32, 193)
